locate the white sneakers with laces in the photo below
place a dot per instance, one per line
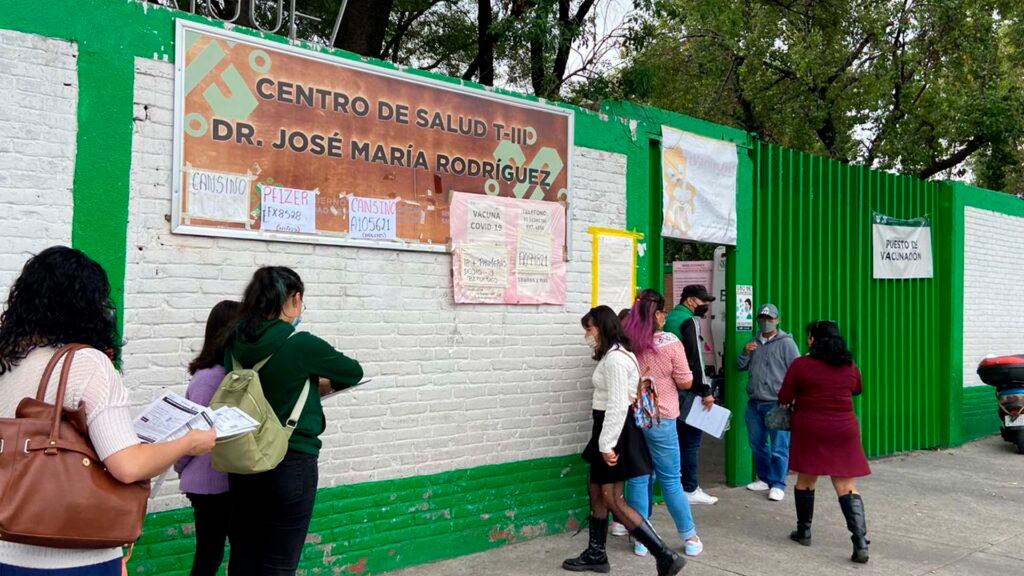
(776, 494)
(699, 496)
(619, 529)
(757, 486)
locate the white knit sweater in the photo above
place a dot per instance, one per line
(93, 380)
(615, 380)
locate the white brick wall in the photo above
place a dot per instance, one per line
(464, 386)
(38, 101)
(993, 285)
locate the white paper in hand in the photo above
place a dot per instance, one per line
(711, 421)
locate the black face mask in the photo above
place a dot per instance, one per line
(701, 310)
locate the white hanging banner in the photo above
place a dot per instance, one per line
(902, 248)
(698, 187)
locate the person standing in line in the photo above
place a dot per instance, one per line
(663, 360)
(62, 297)
(271, 511)
(767, 357)
(826, 434)
(617, 528)
(617, 450)
(206, 488)
(684, 321)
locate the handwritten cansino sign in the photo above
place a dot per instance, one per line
(283, 143)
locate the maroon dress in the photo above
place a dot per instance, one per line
(825, 439)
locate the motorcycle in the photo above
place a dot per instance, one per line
(1006, 375)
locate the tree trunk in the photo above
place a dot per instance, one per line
(485, 42)
(363, 27)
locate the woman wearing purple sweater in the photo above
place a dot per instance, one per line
(205, 487)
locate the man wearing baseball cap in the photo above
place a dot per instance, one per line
(684, 321)
(767, 357)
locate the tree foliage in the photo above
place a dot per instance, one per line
(917, 86)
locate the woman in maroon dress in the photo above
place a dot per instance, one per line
(825, 438)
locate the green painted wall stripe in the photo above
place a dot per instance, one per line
(103, 161)
(375, 527)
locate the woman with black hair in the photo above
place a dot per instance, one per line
(617, 450)
(271, 510)
(63, 297)
(206, 488)
(825, 432)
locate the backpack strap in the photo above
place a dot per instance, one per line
(293, 418)
(236, 365)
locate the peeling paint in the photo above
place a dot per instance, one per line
(359, 567)
(508, 534)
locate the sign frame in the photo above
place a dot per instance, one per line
(177, 170)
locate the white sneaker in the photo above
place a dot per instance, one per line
(757, 486)
(693, 547)
(639, 549)
(619, 529)
(776, 494)
(699, 496)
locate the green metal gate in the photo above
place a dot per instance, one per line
(812, 257)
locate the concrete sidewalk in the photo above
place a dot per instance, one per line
(949, 512)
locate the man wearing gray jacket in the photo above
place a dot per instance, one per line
(767, 357)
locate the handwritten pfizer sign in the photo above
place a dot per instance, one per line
(288, 210)
(901, 248)
(372, 218)
(218, 196)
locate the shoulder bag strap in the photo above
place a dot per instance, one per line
(44, 382)
(58, 403)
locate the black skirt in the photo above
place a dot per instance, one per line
(634, 458)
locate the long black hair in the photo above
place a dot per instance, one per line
(608, 326)
(61, 297)
(218, 327)
(829, 345)
(641, 325)
(265, 297)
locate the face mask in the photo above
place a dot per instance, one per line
(297, 321)
(591, 341)
(701, 310)
(768, 326)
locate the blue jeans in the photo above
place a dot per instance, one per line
(689, 448)
(663, 442)
(770, 447)
(111, 568)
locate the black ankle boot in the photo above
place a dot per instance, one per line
(594, 558)
(804, 514)
(856, 522)
(669, 563)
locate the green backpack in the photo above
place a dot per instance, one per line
(263, 448)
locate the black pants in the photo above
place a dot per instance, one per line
(689, 452)
(212, 514)
(270, 514)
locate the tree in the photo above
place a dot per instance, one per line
(928, 88)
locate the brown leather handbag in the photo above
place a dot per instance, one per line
(54, 491)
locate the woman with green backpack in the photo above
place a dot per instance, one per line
(271, 510)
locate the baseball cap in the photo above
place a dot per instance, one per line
(698, 291)
(769, 310)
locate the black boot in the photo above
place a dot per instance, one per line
(853, 509)
(669, 563)
(594, 558)
(804, 514)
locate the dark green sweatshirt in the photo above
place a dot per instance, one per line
(296, 362)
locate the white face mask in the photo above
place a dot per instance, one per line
(591, 341)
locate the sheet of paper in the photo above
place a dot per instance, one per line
(372, 218)
(288, 209)
(336, 392)
(712, 421)
(166, 415)
(231, 421)
(218, 196)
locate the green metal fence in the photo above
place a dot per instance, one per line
(812, 257)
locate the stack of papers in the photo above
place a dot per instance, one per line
(172, 416)
(712, 421)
